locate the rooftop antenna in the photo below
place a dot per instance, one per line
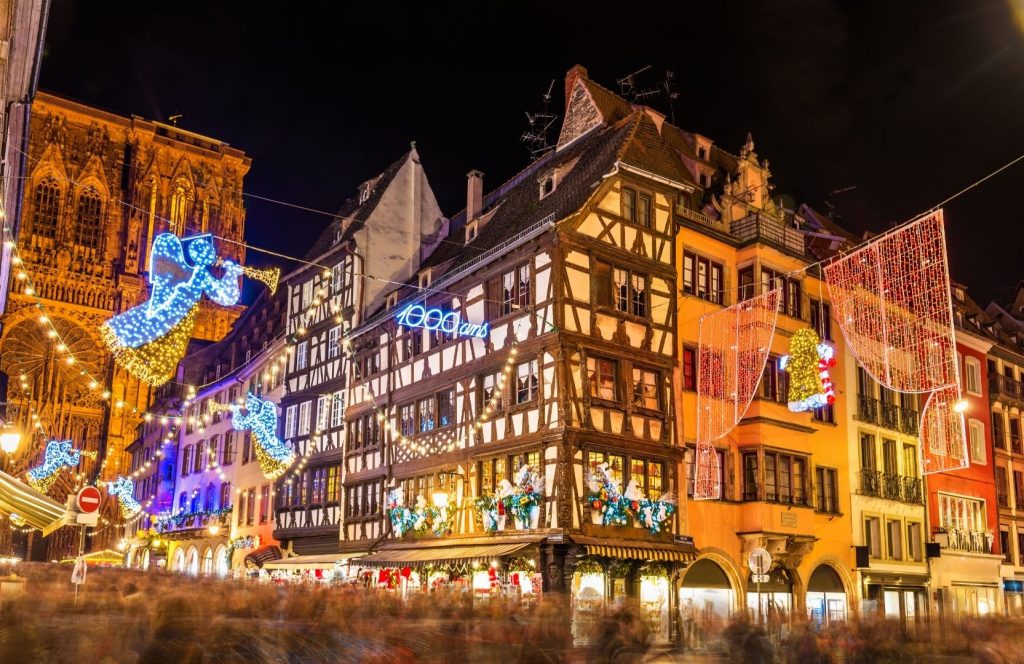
(830, 202)
(174, 119)
(629, 89)
(670, 94)
(536, 136)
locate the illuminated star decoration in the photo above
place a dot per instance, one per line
(123, 488)
(59, 453)
(808, 364)
(150, 339)
(260, 417)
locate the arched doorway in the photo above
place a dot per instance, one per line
(826, 597)
(208, 562)
(706, 599)
(775, 608)
(220, 561)
(192, 562)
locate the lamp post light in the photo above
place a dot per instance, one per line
(10, 438)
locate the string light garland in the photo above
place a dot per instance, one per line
(149, 340)
(893, 304)
(808, 365)
(734, 345)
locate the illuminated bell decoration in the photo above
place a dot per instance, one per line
(808, 364)
(150, 339)
(123, 488)
(58, 454)
(274, 455)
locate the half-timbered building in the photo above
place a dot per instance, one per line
(376, 240)
(504, 397)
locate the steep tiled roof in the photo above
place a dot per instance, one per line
(612, 107)
(646, 149)
(354, 214)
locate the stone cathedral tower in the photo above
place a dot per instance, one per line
(98, 188)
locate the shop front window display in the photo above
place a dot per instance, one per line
(654, 595)
(588, 601)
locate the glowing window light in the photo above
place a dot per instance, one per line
(58, 454)
(416, 315)
(123, 488)
(149, 340)
(274, 455)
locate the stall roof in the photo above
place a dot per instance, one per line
(441, 554)
(321, 561)
(38, 509)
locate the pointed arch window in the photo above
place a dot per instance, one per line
(181, 203)
(87, 226)
(46, 210)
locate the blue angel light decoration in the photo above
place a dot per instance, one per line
(123, 488)
(274, 455)
(150, 339)
(58, 454)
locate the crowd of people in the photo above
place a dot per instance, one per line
(123, 616)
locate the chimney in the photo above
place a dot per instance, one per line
(474, 195)
(571, 76)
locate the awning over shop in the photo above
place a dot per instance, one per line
(417, 557)
(259, 557)
(322, 561)
(640, 551)
(38, 509)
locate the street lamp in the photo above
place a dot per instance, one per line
(10, 438)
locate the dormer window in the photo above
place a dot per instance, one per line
(472, 230)
(425, 279)
(702, 153)
(547, 184)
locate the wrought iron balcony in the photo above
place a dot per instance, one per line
(958, 539)
(867, 409)
(910, 420)
(889, 415)
(1004, 386)
(762, 227)
(913, 490)
(870, 482)
(890, 486)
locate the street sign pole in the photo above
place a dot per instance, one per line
(759, 561)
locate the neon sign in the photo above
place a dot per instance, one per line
(416, 315)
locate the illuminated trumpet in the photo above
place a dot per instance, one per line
(268, 275)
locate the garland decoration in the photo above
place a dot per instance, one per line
(123, 488)
(604, 497)
(419, 520)
(149, 340)
(808, 364)
(58, 454)
(165, 523)
(260, 416)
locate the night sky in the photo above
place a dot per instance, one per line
(907, 101)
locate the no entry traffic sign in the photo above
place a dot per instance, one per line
(88, 499)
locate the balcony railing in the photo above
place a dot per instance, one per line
(888, 415)
(700, 218)
(762, 227)
(909, 421)
(971, 541)
(890, 486)
(1003, 499)
(1005, 386)
(867, 409)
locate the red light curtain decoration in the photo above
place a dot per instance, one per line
(734, 345)
(892, 301)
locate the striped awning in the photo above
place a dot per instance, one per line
(38, 509)
(432, 555)
(662, 551)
